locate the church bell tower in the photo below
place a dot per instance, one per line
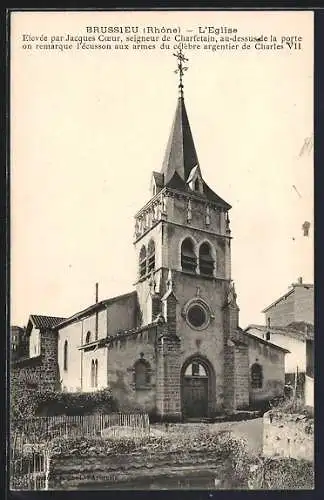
(182, 240)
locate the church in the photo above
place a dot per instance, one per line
(172, 346)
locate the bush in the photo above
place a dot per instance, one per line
(26, 402)
(287, 474)
(75, 403)
(23, 401)
(292, 406)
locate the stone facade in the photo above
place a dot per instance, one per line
(172, 347)
(296, 305)
(41, 371)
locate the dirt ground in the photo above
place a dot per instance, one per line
(249, 430)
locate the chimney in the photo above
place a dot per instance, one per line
(300, 280)
(97, 295)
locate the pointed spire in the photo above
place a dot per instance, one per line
(180, 156)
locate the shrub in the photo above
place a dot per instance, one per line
(292, 406)
(75, 403)
(23, 401)
(287, 474)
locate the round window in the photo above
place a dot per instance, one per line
(197, 316)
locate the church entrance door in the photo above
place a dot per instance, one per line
(195, 391)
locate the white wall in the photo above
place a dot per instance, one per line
(309, 391)
(296, 356)
(71, 378)
(34, 343)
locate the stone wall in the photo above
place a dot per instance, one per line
(282, 313)
(40, 371)
(304, 304)
(273, 369)
(241, 377)
(288, 435)
(168, 402)
(122, 356)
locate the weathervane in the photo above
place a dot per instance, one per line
(181, 69)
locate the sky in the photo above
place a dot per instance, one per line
(88, 127)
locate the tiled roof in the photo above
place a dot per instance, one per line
(299, 330)
(262, 341)
(45, 321)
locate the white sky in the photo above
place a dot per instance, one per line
(89, 127)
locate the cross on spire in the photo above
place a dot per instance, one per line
(181, 69)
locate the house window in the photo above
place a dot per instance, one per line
(65, 356)
(88, 337)
(188, 257)
(206, 261)
(142, 262)
(256, 376)
(94, 373)
(151, 256)
(142, 374)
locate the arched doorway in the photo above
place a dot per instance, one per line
(196, 388)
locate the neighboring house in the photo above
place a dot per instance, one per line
(39, 365)
(173, 346)
(294, 306)
(19, 342)
(289, 324)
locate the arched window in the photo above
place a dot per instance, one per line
(142, 262)
(94, 373)
(188, 257)
(195, 369)
(151, 256)
(142, 375)
(88, 337)
(256, 376)
(65, 356)
(206, 261)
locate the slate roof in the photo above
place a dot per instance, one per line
(181, 157)
(299, 330)
(158, 178)
(177, 183)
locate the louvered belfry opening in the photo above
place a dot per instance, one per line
(142, 262)
(188, 256)
(206, 261)
(151, 256)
